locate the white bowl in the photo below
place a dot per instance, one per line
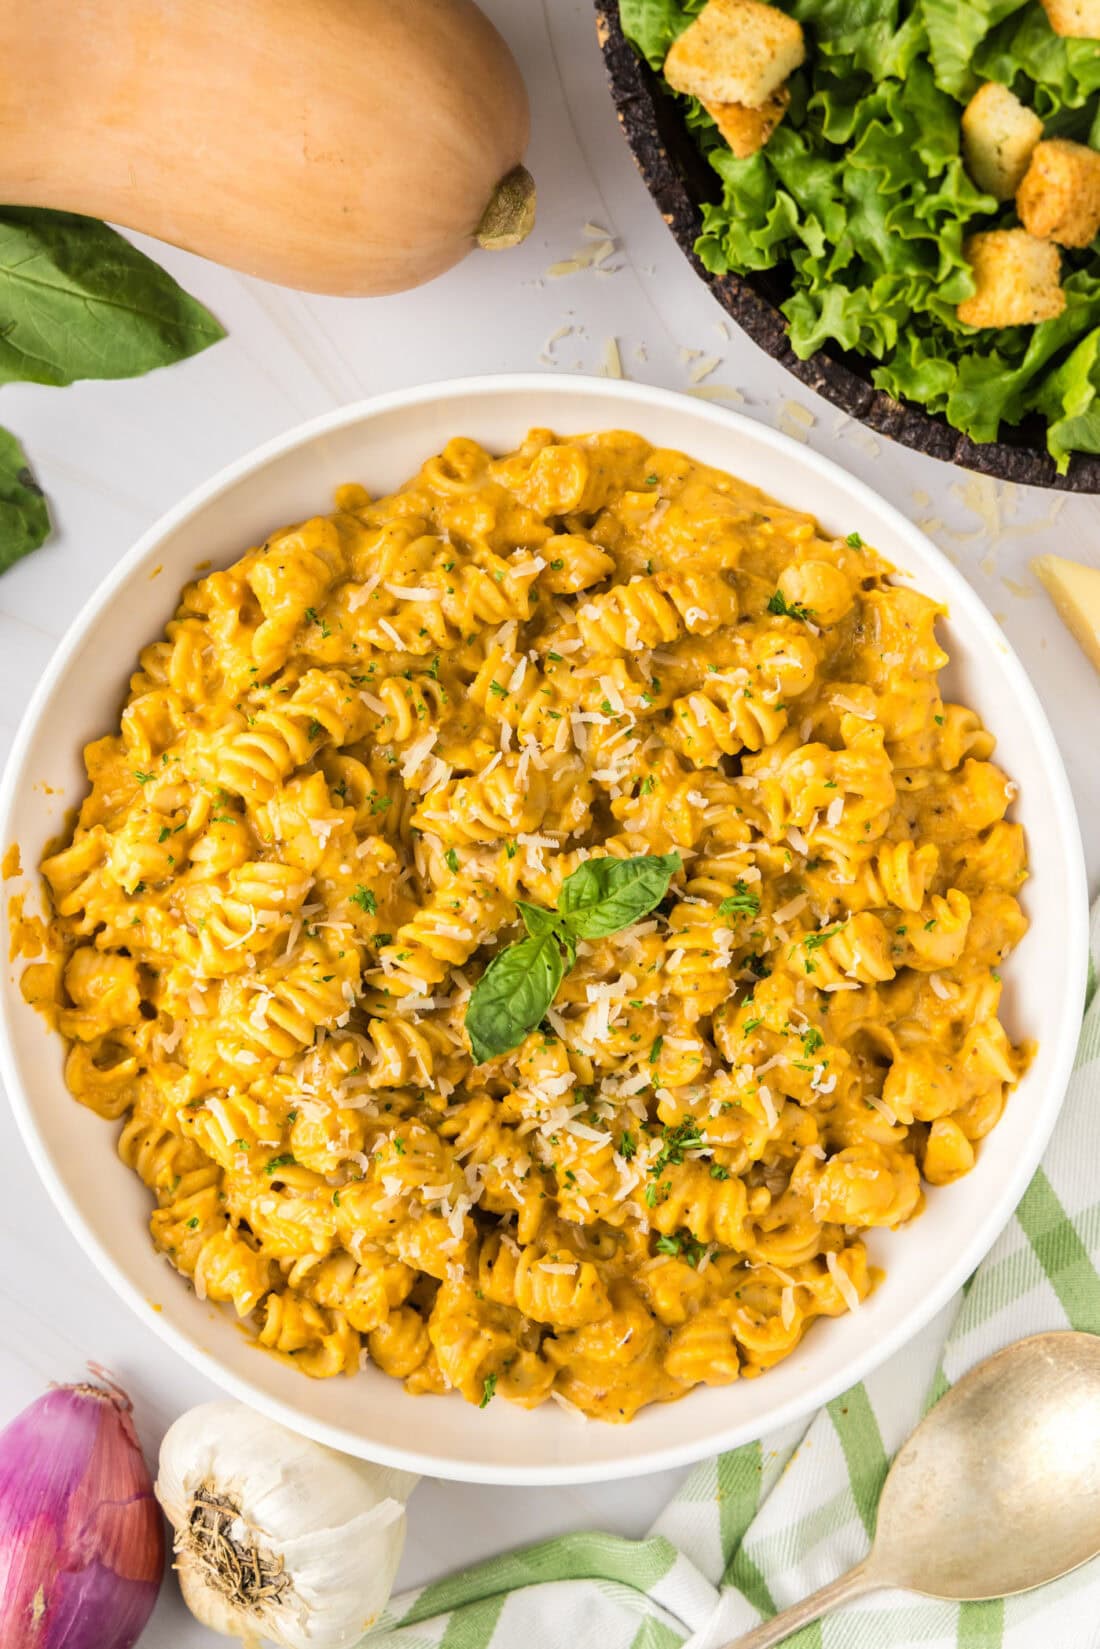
(382, 442)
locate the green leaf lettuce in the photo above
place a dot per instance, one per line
(862, 202)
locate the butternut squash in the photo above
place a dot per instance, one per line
(345, 146)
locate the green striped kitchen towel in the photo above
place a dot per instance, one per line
(756, 1529)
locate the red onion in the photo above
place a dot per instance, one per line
(81, 1536)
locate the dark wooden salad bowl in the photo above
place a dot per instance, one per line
(680, 180)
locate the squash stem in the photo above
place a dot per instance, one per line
(510, 214)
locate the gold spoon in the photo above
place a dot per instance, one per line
(997, 1490)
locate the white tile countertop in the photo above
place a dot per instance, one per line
(113, 456)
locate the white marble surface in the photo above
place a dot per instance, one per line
(114, 456)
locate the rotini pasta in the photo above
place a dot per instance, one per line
(350, 756)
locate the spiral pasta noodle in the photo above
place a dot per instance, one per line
(352, 756)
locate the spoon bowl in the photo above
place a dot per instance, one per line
(997, 1491)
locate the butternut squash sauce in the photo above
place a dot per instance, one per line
(350, 754)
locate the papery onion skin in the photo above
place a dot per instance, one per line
(81, 1536)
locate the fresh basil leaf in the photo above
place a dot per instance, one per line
(77, 300)
(536, 920)
(24, 517)
(512, 995)
(603, 896)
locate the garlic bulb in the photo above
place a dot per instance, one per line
(278, 1537)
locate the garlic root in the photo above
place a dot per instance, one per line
(277, 1537)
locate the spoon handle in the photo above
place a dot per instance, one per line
(853, 1584)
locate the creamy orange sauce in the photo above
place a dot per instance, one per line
(350, 755)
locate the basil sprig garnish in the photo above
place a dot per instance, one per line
(601, 897)
(513, 994)
(605, 895)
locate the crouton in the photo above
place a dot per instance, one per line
(1076, 19)
(747, 130)
(1018, 279)
(998, 135)
(1059, 198)
(736, 51)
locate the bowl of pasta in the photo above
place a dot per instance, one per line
(519, 912)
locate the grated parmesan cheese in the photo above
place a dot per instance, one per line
(703, 369)
(570, 1408)
(583, 1131)
(359, 596)
(612, 694)
(417, 754)
(169, 1041)
(716, 392)
(612, 364)
(840, 701)
(243, 938)
(844, 1283)
(412, 592)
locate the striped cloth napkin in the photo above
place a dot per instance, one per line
(756, 1529)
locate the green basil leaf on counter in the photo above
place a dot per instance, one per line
(512, 995)
(603, 896)
(24, 516)
(77, 300)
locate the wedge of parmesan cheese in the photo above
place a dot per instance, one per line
(1075, 591)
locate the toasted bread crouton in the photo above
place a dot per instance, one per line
(998, 135)
(1018, 279)
(1076, 19)
(736, 51)
(1059, 198)
(747, 130)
